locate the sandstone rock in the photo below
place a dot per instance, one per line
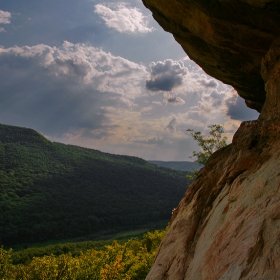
(227, 226)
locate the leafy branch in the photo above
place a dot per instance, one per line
(208, 144)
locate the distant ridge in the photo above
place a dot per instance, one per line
(177, 165)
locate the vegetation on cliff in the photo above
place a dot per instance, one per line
(208, 144)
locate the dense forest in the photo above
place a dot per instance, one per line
(55, 191)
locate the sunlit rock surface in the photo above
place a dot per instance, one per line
(227, 226)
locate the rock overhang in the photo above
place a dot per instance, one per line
(228, 39)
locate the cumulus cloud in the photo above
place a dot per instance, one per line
(66, 89)
(2, 29)
(220, 107)
(212, 101)
(208, 83)
(5, 17)
(166, 75)
(123, 18)
(210, 108)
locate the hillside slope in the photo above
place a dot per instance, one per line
(51, 190)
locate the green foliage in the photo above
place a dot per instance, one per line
(56, 191)
(24, 256)
(131, 260)
(5, 262)
(208, 144)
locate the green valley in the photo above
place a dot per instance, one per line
(50, 190)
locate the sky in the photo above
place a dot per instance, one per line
(104, 75)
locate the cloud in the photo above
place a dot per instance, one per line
(66, 90)
(237, 109)
(166, 75)
(222, 107)
(175, 101)
(149, 141)
(171, 125)
(155, 141)
(2, 29)
(123, 18)
(5, 17)
(212, 101)
(208, 83)
(82, 95)
(210, 108)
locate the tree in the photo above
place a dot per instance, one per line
(208, 144)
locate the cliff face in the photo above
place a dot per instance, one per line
(227, 226)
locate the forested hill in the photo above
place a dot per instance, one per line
(50, 190)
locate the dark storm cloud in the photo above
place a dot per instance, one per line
(166, 75)
(237, 109)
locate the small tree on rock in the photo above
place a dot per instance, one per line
(209, 144)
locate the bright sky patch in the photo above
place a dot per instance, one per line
(123, 18)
